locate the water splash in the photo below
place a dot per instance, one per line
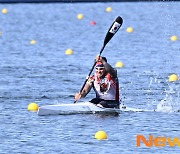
(165, 105)
(171, 102)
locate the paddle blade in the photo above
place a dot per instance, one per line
(113, 29)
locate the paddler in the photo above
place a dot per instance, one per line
(105, 84)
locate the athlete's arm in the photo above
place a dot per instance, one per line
(84, 92)
(110, 69)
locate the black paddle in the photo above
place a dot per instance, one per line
(112, 30)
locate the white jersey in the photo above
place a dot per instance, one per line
(106, 88)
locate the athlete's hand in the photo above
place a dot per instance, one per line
(77, 96)
(98, 58)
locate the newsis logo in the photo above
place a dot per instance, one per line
(158, 141)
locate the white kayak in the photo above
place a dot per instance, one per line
(77, 108)
(80, 108)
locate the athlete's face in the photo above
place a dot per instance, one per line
(100, 71)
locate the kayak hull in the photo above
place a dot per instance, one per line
(77, 108)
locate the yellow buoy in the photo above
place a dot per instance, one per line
(173, 77)
(129, 29)
(4, 11)
(69, 52)
(109, 9)
(101, 135)
(33, 107)
(80, 16)
(0, 33)
(119, 64)
(33, 42)
(174, 38)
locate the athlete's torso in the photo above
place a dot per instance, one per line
(106, 88)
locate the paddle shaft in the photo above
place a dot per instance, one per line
(112, 30)
(91, 71)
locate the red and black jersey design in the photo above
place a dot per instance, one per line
(106, 88)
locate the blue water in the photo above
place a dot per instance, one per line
(44, 74)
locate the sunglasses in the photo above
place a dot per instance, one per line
(99, 68)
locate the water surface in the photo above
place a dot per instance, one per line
(44, 74)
